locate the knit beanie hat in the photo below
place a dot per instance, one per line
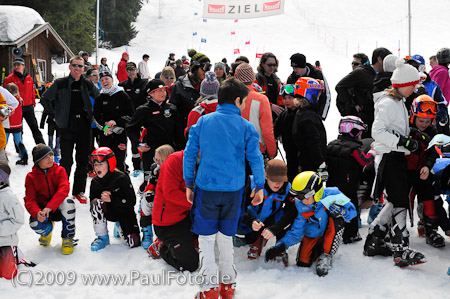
(124, 54)
(209, 85)
(154, 84)
(197, 59)
(389, 63)
(404, 74)
(298, 60)
(40, 151)
(220, 65)
(276, 171)
(244, 73)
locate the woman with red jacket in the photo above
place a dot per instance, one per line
(171, 221)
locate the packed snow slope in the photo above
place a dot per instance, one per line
(329, 31)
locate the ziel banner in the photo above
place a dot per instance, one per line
(241, 9)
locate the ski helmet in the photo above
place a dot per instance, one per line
(443, 56)
(424, 107)
(351, 125)
(309, 88)
(104, 154)
(306, 184)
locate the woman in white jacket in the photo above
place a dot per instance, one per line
(11, 219)
(392, 142)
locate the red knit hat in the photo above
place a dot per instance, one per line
(124, 53)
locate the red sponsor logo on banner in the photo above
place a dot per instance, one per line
(216, 8)
(275, 5)
(236, 51)
(259, 55)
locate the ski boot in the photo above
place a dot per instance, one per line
(67, 245)
(323, 264)
(256, 248)
(283, 257)
(22, 162)
(353, 239)
(100, 243)
(374, 211)
(147, 236)
(432, 237)
(408, 257)
(133, 240)
(81, 197)
(117, 230)
(238, 241)
(155, 248)
(46, 237)
(137, 172)
(212, 293)
(375, 244)
(227, 290)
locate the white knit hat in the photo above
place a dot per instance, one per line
(404, 74)
(389, 63)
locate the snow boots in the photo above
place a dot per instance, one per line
(226, 290)
(375, 243)
(46, 237)
(256, 248)
(100, 243)
(155, 248)
(147, 236)
(67, 245)
(323, 264)
(283, 257)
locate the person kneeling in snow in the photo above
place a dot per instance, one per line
(319, 224)
(47, 199)
(112, 198)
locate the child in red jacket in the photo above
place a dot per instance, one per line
(47, 199)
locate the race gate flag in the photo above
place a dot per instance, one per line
(236, 51)
(241, 9)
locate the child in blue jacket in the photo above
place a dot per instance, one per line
(222, 140)
(319, 224)
(256, 219)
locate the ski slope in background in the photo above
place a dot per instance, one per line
(329, 31)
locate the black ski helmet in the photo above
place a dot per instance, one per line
(443, 56)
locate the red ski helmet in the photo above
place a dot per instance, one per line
(309, 88)
(104, 154)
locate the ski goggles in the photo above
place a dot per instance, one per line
(428, 107)
(99, 158)
(287, 89)
(301, 195)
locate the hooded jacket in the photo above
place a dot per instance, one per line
(439, 74)
(11, 217)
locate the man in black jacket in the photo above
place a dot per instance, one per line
(135, 87)
(355, 90)
(303, 69)
(67, 101)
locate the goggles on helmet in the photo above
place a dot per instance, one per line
(287, 89)
(99, 158)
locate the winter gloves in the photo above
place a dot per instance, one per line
(410, 144)
(273, 251)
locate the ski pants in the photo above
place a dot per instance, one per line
(28, 115)
(101, 212)
(311, 248)
(118, 144)
(178, 249)
(64, 213)
(19, 144)
(8, 262)
(76, 136)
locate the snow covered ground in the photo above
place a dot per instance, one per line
(322, 30)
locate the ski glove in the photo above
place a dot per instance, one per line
(410, 144)
(273, 251)
(337, 210)
(323, 172)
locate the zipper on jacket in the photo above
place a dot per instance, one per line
(48, 185)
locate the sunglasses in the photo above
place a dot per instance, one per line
(169, 78)
(80, 66)
(287, 89)
(271, 64)
(94, 75)
(131, 69)
(97, 158)
(355, 63)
